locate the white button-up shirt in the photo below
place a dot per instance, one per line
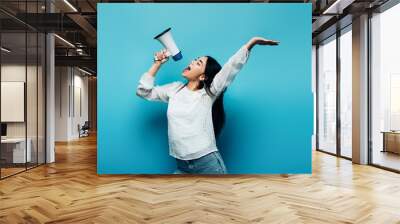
(190, 127)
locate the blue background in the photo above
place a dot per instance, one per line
(269, 106)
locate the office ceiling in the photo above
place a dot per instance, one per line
(76, 21)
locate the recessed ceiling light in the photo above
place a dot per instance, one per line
(70, 5)
(64, 40)
(84, 71)
(5, 50)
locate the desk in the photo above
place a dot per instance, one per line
(391, 141)
(17, 150)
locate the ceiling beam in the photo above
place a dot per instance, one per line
(337, 6)
(83, 61)
(86, 26)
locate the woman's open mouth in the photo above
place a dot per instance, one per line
(186, 69)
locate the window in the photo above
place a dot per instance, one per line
(346, 92)
(385, 88)
(327, 95)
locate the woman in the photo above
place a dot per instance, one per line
(195, 109)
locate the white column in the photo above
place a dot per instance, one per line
(360, 90)
(50, 92)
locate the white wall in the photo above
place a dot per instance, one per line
(9, 73)
(62, 82)
(70, 83)
(16, 72)
(79, 117)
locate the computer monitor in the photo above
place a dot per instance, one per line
(3, 129)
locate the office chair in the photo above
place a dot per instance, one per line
(84, 130)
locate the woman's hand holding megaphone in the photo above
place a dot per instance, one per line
(161, 57)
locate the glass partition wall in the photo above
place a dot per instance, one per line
(13, 88)
(334, 83)
(22, 98)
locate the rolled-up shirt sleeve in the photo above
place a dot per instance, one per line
(147, 90)
(228, 72)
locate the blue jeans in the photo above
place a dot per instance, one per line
(211, 163)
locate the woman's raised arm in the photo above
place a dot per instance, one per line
(235, 63)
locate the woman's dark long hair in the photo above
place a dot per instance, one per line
(218, 112)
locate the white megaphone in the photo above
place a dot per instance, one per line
(168, 42)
